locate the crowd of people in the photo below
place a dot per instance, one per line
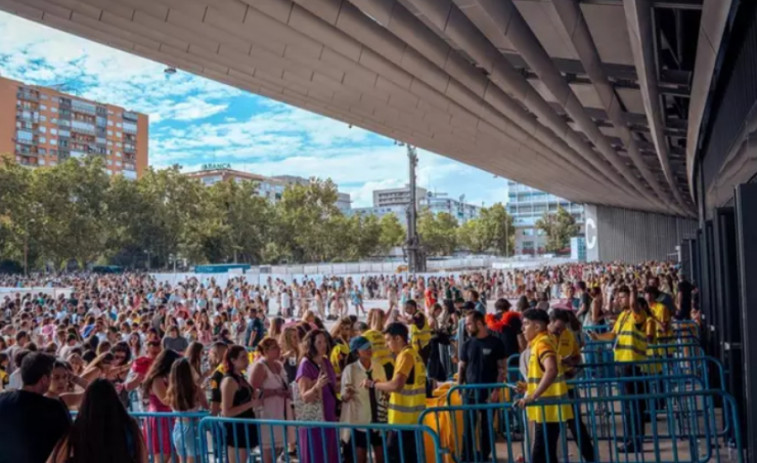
(311, 351)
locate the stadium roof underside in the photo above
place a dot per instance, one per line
(586, 99)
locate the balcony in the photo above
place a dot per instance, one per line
(31, 116)
(28, 96)
(83, 127)
(130, 166)
(84, 108)
(130, 128)
(131, 116)
(129, 148)
(77, 154)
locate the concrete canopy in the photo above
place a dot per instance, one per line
(587, 99)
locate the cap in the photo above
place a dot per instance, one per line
(360, 343)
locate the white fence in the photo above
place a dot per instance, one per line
(54, 292)
(357, 270)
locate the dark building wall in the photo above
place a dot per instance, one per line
(615, 234)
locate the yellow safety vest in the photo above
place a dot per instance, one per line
(540, 346)
(630, 341)
(567, 346)
(406, 405)
(420, 338)
(381, 354)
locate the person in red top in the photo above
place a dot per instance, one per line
(430, 296)
(142, 365)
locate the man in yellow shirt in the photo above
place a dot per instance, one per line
(407, 390)
(545, 380)
(630, 336)
(569, 353)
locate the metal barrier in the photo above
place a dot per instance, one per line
(171, 435)
(639, 430)
(268, 441)
(474, 394)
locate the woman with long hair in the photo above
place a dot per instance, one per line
(341, 333)
(316, 382)
(155, 385)
(185, 396)
(135, 344)
(237, 402)
(269, 378)
(289, 341)
(277, 327)
(60, 386)
(194, 355)
(103, 431)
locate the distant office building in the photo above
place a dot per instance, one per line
(211, 174)
(271, 188)
(344, 202)
(457, 208)
(527, 205)
(41, 126)
(396, 201)
(397, 196)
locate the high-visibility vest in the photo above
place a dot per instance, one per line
(540, 346)
(630, 341)
(567, 346)
(381, 354)
(406, 405)
(420, 338)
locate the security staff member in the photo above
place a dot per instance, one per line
(630, 336)
(381, 354)
(569, 355)
(545, 380)
(407, 390)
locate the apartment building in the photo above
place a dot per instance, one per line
(527, 205)
(42, 126)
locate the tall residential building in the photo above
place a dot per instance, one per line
(527, 205)
(41, 126)
(271, 188)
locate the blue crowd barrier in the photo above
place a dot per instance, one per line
(633, 426)
(240, 440)
(171, 435)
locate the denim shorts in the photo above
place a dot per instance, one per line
(185, 438)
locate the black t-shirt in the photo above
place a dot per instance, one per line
(481, 357)
(30, 426)
(215, 386)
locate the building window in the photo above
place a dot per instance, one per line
(118, 154)
(44, 97)
(110, 122)
(54, 109)
(53, 141)
(110, 132)
(41, 162)
(53, 131)
(118, 124)
(43, 118)
(43, 129)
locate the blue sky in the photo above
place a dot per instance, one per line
(194, 120)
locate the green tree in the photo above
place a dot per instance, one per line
(306, 221)
(392, 233)
(239, 221)
(472, 236)
(499, 229)
(491, 231)
(559, 228)
(438, 233)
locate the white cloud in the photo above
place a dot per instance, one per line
(277, 139)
